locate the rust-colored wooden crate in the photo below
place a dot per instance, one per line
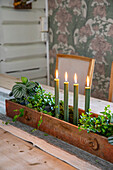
(93, 143)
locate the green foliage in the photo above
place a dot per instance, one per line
(62, 112)
(110, 140)
(31, 94)
(100, 124)
(19, 115)
(42, 102)
(40, 121)
(22, 90)
(36, 98)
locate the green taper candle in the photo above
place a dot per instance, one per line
(66, 89)
(56, 95)
(87, 96)
(75, 102)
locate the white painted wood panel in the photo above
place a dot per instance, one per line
(6, 3)
(22, 64)
(38, 4)
(41, 81)
(22, 52)
(8, 15)
(32, 74)
(9, 52)
(20, 33)
(9, 3)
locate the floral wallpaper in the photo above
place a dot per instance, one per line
(83, 27)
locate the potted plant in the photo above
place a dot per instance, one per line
(29, 106)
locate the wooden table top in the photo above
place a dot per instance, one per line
(18, 154)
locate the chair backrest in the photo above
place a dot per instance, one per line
(82, 66)
(110, 98)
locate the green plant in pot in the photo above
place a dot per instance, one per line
(32, 95)
(22, 90)
(43, 102)
(102, 124)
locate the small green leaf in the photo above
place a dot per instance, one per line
(24, 80)
(15, 118)
(45, 134)
(16, 110)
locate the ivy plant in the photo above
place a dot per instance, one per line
(100, 124)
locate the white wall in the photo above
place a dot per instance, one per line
(22, 52)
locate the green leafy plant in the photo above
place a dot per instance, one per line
(33, 96)
(42, 102)
(19, 115)
(22, 90)
(110, 140)
(100, 124)
(16, 116)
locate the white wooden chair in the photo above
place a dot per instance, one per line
(110, 98)
(82, 66)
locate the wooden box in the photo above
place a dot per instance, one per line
(90, 142)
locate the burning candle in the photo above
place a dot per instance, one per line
(56, 95)
(87, 96)
(75, 101)
(66, 89)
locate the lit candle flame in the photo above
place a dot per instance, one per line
(66, 75)
(75, 78)
(87, 81)
(56, 74)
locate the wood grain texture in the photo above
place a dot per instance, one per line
(18, 154)
(51, 149)
(90, 142)
(7, 81)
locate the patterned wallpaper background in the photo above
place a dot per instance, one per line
(83, 27)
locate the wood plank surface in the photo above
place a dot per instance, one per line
(31, 74)
(7, 81)
(20, 51)
(18, 154)
(51, 149)
(8, 15)
(16, 34)
(6, 67)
